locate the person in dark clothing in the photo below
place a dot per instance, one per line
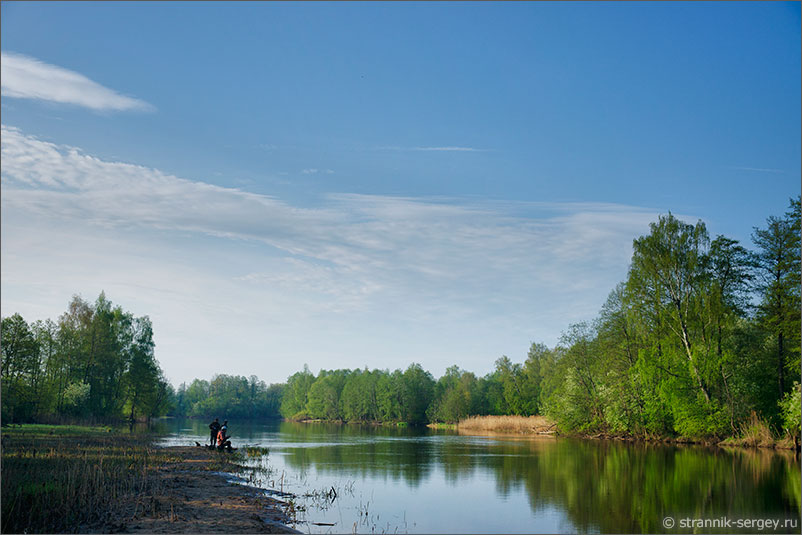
(214, 427)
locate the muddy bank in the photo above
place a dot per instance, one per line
(192, 494)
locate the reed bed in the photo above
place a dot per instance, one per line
(531, 425)
(72, 479)
(757, 433)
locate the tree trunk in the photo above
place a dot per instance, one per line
(687, 344)
(780, 364)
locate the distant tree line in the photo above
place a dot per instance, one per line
(700, 335)
(412, 395)
(96, 362)
(227, 396)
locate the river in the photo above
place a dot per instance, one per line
(419, 480)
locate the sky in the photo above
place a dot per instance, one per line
(350, 185)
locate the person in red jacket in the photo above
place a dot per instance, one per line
(223, 441)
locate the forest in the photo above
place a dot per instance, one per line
(701, 337)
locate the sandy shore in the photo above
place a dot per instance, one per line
(191, 495)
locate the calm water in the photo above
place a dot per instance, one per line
(425, 481)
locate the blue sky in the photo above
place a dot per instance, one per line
(373, 184)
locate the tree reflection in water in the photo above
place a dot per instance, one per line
(603, 486)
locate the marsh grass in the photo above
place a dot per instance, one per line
(756, 433)
(256, 451)
(506, 424)
(67, 479)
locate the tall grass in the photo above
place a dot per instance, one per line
(506, 424)
(73, 479)
(756, 433)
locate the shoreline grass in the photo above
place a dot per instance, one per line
(61, 479)
(527, 425)
(757, 433)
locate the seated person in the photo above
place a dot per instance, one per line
(223, 441)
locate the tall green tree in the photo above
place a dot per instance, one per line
(417, 392)
(293, 403)
(323, 400)
(673, 259)
(778, 262)
(143, 373)
(20, 351)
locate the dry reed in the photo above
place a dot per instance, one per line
(507, 424)
(755, 433)
(75, 481)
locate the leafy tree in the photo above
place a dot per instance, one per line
(453, 397)
(293, 403)
(143, 373)
(20, 351)
(323, 400)
(417, 391)
(778, 262)
(791, 410)
(359, 397)
(389, 396)
(672, 258)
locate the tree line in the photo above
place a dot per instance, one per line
(97, 362)
(699, 336)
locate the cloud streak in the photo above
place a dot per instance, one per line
(385, 242)
(756, 169)
(29, 78)
(452, 278)
(435, 149)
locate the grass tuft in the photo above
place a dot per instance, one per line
(256, 451)
(754, 433)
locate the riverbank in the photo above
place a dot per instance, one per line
(100, 480)
(755, 435)
(196, 495)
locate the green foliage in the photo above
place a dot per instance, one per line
(228, 396)
(417, 392)
(778, 279)
(98, 361)
(295, 395)
(454, 396)
(323, 400)
(676, 348)
(76, 396)
(20, 369)
(791, 409)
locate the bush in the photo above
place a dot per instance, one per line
(791, 409)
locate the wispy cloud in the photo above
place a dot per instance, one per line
(435, 149)
(27, 77)
(466, 276)
(755, 169)
(314, 171)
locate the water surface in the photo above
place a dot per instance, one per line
(407, 480)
